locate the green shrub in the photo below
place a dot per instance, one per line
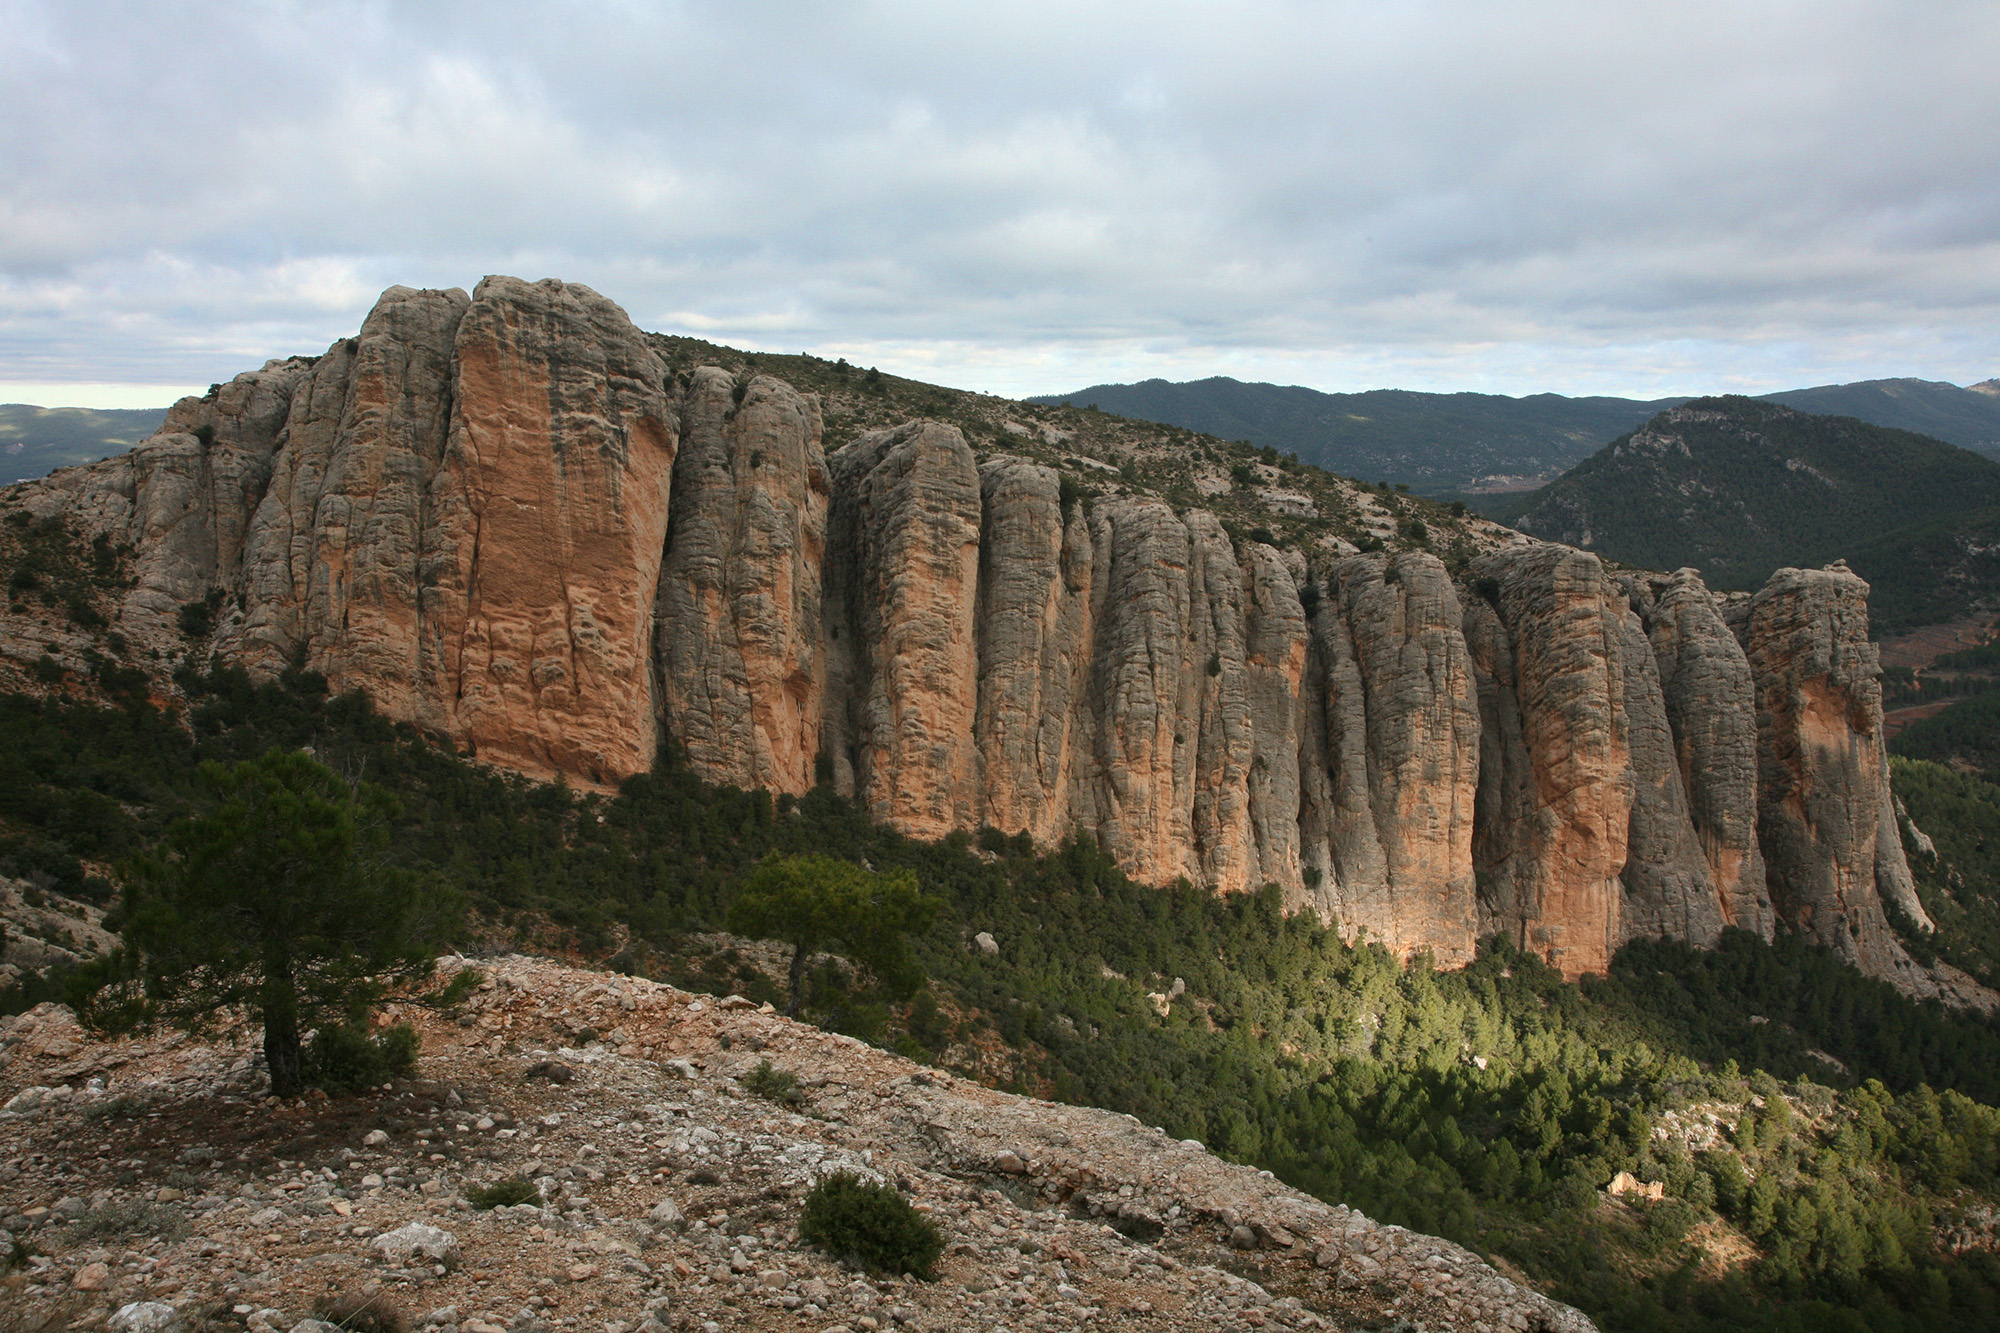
(362, 1312)
(137, 1217)
(504, 1194)
(870, 1225)
(347, 1059)
(773, 1084)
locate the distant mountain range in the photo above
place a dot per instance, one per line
(1737, 487)
(1440, 443)
(1477, 442)
(35, 441)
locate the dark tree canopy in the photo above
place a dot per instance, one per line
(812, 901)
(278, 903)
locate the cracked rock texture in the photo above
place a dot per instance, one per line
(1395, 728)
(500, 516)
(741, 583)
(1711, 707)
(1826, 819)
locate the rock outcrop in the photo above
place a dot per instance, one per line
(509, 522)
(1035, 628)
(1393, 734)
(740, 592)
(902, 583)
(332, 562)
(1826, 819)
(1712, 709)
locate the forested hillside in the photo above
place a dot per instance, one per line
(35, 441)
(1827, 1150)
(1737, 487)
(1444, 441)
(1433, 441)
(1968, 417)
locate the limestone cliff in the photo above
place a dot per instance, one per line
(516, 521)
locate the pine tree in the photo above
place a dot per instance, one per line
(278, 903)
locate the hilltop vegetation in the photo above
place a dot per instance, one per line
(1813, 1132)
(1737, 487)
(35, 441)
(1968, 417)
(1434, 441)
(1440, 442)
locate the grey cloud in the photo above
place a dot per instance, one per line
(1514, 196)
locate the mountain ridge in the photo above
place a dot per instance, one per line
(1740, 486)
(1471, 442)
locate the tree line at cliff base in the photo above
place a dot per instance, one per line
(1780, 1098)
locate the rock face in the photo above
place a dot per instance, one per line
(740, 590)
(1394, 721)
(1826, 819)
(1711, 707)
(499, 516)
(332, 562)
(1035, 639)
(549, 518)
(903, 580)
(1556, 782)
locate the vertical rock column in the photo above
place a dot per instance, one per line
(332, 569)
(1147, 675)
(1391, 759)
(1217, 705)
(551, 517)
(902, 587)
(196, 482)
(1826, 819)
(739, 630)
(1712, 709)
(1274, 663)
(1034, 630)
(1669, 888)
(1555, 783)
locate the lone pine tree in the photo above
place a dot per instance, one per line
(278, 903)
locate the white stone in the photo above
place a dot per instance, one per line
(146, 1317)
(417, 1239)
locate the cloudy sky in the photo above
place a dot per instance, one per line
(1024, 197)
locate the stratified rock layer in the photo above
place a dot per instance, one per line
(500, 517)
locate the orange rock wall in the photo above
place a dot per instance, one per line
(501, 517)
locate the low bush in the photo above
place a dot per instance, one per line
(362, 1312)
(349, 1058)
(504, 1194)
(773, 1084)
(870, 1225)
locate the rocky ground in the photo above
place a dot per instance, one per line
(147, 1184)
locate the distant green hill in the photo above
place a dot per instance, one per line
(35, 441)
(1969, 418)
(1739, 486)
(1441, 442)
(1434, 441)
